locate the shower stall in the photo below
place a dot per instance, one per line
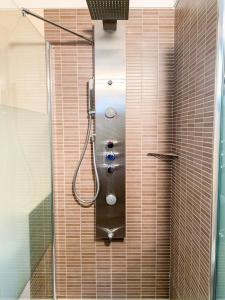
(118, 113)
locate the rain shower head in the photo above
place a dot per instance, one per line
(109, 11)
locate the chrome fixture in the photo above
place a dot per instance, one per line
(89, 137)
(28, 12)
(109, 11)
(111, 199)
(110, 233)
(110, 144)
(110, 95)
(110, 112)
(110, 169)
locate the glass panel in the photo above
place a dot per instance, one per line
(25, 162)
(220, 270)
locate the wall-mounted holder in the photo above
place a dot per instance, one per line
(110, 94)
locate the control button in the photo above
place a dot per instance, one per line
(111, 199)
(110, 113)
(110, 144)
(111, 156)
(111, 169)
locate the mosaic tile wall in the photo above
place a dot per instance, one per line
(193, 112)
(139, 266)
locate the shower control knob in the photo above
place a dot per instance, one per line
(111, 169)
(110, 156)
(111, 199)
(110, 113)
(110, 144)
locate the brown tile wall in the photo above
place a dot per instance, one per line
(138, 267)
(41, 282)
(193, 112)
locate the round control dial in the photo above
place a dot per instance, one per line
(111, 169)
(110, 156)
(111, 199)
(110, 113)
(110, 144)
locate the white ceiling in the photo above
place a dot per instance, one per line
(79, 3)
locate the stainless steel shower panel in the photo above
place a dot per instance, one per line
(110, 95)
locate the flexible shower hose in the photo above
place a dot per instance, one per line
(86, 202)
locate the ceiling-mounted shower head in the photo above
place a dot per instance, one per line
(109, 11)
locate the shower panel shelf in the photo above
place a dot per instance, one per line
(163, 155)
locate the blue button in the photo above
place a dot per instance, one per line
(111, 156)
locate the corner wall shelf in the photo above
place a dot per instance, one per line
(163, 155)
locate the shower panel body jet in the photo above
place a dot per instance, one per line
(110, 96)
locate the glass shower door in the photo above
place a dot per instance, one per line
(25, 163)
(220, 257)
